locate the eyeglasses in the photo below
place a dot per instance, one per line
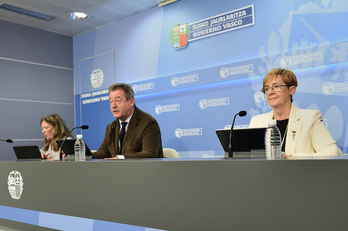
(117, 100)
(275, 87)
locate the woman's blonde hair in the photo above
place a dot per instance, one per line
(60, 131)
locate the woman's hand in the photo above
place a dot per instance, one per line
(44, 156)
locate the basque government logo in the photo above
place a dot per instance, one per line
(179, 36)
(97, 78)
(184, 33)
(15, 184)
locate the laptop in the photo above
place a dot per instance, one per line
(27, 152)
(69, 147)
(246, 142)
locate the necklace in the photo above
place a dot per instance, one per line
(286, 130)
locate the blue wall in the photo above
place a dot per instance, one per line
(197, 89)
(36, 80)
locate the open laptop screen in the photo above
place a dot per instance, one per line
(31, 152)
(69, 147)
(246, 142)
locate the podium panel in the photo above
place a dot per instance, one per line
(180, 194)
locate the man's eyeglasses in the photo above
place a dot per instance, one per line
(275, 87)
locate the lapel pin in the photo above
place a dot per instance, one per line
(293, 135)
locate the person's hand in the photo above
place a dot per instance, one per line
(111, 158)
(44, 156)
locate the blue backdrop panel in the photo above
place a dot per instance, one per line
(135, 41)
(97, 116)
(202, 110)
(199, 88)
(99, 70)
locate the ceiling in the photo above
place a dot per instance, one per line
(101, 13)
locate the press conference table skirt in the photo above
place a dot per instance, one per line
(181, 194)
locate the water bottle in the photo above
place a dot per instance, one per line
(80, 149)
(273, 141)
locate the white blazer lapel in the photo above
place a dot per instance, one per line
(294, 130)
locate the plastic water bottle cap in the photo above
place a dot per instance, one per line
(79, 136)
(272, 123)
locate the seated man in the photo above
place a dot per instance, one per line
(134, 133)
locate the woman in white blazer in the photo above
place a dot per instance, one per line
(302, 130)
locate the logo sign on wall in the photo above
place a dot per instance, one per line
(159, 109)
(182, 34)
(97, 78)
(15, 184)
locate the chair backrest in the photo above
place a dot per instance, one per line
(170, 153)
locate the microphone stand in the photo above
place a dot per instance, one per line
(60, 148)
(230, 149)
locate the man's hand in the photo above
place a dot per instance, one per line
(111, 158)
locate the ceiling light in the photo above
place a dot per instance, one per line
(78, 15)
(25, 12)
(166, 2)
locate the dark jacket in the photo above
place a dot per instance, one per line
(142, 139)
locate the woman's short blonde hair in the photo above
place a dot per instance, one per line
(287, 76)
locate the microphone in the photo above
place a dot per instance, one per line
(7, 140)
(230, 149)
(83, 127)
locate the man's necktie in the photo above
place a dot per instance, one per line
(122, 133)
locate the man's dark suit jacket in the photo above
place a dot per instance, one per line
(142, 139)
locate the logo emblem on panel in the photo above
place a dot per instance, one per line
(15, 184)
(97, 78)
(180, 35)
(203, 103)
(158, 109)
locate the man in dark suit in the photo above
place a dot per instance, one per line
(134, 133)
